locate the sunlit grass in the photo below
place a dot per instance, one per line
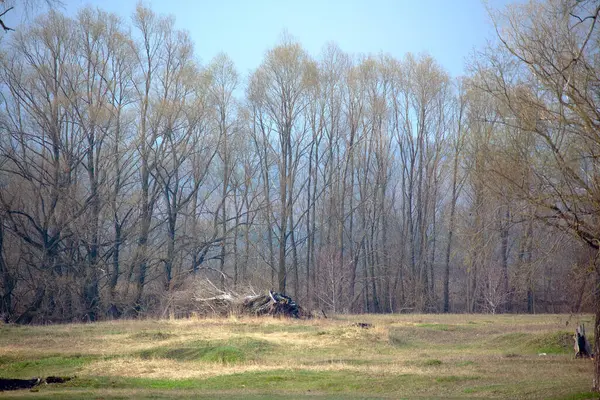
(428, 356)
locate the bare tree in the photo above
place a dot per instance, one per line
(544, 73)
(153, 31)
(224, 82)
(278, 92)
(457, 147)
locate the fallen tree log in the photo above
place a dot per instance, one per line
(16, 384)
(270, 303)
(274, 304)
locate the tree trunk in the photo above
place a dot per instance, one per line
(285, 167)
(596, 286)
(8, 282)
(224, 193)
(504, 233)
(309, 242)
(114, 278)
(450, 235)
(236, 255)
(295, 261)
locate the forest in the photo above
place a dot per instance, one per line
(136, 180)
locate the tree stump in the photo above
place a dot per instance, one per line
(582, 345)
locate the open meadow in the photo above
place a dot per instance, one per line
(399, 356)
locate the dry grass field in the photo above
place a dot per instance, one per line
(400, 356)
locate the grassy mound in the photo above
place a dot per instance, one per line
(222, 352)
(559, 342)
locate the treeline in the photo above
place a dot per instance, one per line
(130, 174)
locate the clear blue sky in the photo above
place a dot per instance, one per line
(245, 29)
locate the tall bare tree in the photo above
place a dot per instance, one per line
(152, 30)
(278, 91)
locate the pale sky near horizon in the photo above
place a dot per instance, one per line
(448, 30)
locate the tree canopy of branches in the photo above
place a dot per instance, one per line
(130, 172)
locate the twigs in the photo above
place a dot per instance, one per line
(6, 28)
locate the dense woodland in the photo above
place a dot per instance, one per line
(135, 180)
